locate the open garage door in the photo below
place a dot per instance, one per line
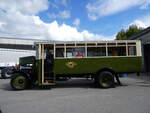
(147, 57)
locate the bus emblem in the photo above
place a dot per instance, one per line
(71, 64)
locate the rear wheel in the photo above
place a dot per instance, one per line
(19, 82)
(105, 79)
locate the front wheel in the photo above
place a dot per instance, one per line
(106, 79)
(19, 82)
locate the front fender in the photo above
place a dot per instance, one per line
(22, 72)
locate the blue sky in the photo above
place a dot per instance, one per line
(71, 19)
(106, 25)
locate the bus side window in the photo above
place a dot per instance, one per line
(69, 52)
(96, 51)
(116, 51)
(75, 52)
(132, 50)
(60, 52)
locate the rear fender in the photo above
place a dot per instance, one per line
(107, 69)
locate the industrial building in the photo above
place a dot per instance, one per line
(13, 48)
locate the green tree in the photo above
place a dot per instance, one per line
(125, 34)
(121, 35)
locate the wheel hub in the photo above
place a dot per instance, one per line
(20, 81)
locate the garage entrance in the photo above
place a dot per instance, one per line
(147, 57)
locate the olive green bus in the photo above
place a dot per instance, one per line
(100, 60)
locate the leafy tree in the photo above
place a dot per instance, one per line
(125, 34)
(121, 35)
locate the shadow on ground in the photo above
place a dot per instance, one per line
(73, 83)
(6, 86)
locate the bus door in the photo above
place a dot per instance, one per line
(48, 76)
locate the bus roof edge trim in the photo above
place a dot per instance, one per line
(69, 42)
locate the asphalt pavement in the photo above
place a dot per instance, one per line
(79, 96)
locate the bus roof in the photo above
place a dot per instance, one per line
(70, 42)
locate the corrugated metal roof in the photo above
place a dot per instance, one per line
(17, 41)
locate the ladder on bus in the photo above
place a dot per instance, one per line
(48, 76)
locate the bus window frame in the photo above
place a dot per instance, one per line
(84, 54)
(86, 45)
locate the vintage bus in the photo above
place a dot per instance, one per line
(101, 60)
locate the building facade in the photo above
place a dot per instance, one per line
(13, 48)
(144, 36)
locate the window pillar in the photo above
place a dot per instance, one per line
(127, 54)
(86, 50)
(64, 50)
(54, 51)
(106, 50)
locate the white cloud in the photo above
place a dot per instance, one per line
(99, 8)
(65, 14)
(138, 23)
(143, 21)
(19, 22)
(90, 36)
(24, 6)
(56, 3)
(20, 25)
(145, 5)
(67, 33)
(64, 2)
(61, 14)
(76, 22)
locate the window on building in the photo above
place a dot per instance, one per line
(96, 51)
(116, 51)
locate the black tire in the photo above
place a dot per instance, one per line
(3, 73)
(6, 73)
(105, 79)
(19, 82)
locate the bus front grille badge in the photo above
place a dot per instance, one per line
(71, 64)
